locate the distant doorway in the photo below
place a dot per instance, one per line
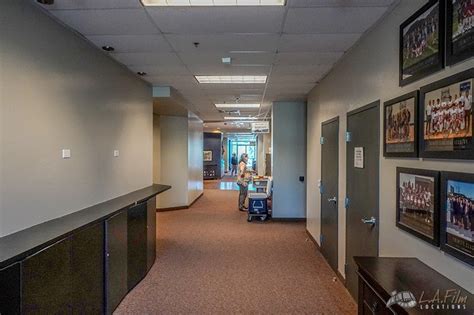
(240, 144)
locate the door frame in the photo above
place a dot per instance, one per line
(327, 122)
(374, 104)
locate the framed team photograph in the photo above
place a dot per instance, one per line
(207, 156)
(422, 42)
(457, 215)
(459, 30)
(418, 204)
(401, 126)
(446, 124)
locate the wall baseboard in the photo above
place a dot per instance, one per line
(179, 207)
(338, 274)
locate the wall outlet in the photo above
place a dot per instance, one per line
(116, 153)
(66, 153)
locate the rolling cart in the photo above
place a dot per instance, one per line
(258, 201)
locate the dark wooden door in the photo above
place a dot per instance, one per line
(116, 244)
(137, 244)
(362, 190)
(151, 232)
(10, 290)
(46, 280)
(88, 270)
(329, 190)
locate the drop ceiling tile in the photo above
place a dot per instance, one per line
(107, 22)
(92, 4)
(215, 20)
(223, 43)
(132, 43)
(164, 69)
(307, 58)
(143, 59)
(213, 58)
(221, 69)
(338, 3)
(317, 42)
(293, 78)
(300, 69)
(331, 20)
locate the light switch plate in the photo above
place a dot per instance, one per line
(116, 153)
(66, 153)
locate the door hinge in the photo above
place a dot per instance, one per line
(320, 240)
(321, 189)
(348, 136)
(321, 140)
(346, 203)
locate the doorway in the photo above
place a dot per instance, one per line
(240, 144)
(329, 190)
(362, 190)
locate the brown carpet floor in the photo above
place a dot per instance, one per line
(210, 260)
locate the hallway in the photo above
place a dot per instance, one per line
(210, 260)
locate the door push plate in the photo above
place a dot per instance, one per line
(348, 136)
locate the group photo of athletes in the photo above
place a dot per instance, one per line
(460, 210)
(463, 18)
(448, 112)
(416, 202)
(420, 38)
(400, 122)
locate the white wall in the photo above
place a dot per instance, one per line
(367, 73)
(58, 91)
(174, 161)
(289, 159)
(263, 143)
(156, 149)
(195, 163)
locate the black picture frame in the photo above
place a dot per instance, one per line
(406, 149)
(445, 144)
(458, 47)
(454, 243)
(410, 42)
(415, 215)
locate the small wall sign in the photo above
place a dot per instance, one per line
(359, 157)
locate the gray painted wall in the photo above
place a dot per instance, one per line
(289, 159)
(366, 73)
(58, 91)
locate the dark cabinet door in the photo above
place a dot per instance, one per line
(88, 270)
(46, 279)
(151, 232)
(137, 244)
(116, 260)
(10, 290)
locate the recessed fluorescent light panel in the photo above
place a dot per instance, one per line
(237, 105)
(239, 118)
(191, 3)
(231, 79)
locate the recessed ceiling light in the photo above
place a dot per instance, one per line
(141, 73)
(190, 3)
(239, 118)
(108, 48)
(230, 79)
(237, 105)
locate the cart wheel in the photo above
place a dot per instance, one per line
(249, 218)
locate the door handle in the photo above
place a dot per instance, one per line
(333, 199)
(372, 221)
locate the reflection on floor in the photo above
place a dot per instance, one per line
(211, 261)
(226, 183)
